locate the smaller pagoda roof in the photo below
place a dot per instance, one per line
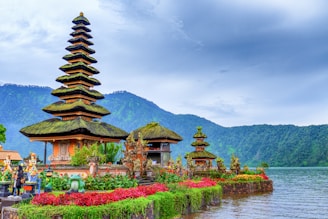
(77, 55)
(81, 27)
(79, 65)
(80, 39)
(81, 32)
(78, 105)
(81, 20)
(75, 47)
(55, 127)
(154, 131)
(64, 91)
(76, 77)
(200, 143)
(200, 155)
(199, 133)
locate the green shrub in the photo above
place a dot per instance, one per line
(116, 210)
(164, 205)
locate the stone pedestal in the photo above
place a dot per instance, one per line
(4, 189)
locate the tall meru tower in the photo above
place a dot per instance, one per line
(77, 117)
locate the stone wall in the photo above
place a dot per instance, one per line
(246, 188)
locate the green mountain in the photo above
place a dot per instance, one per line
(278, 145)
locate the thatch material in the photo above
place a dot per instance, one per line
(79, 105)
(199, 133)
(63, 91)
(77, 33)
(76, 77)
(75, 47)
(200, 155)
(55, 127)
(79, 55)
(80, 39)
(81, 20)
(81, 27)
(203, 143)
(154, 130)
(79, 65)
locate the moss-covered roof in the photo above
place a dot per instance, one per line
(200, 154)
(199, 133)
(64, 91)
(76, 77)
(78, 105)
(77, 66)
(154, 130)
(75, 47)
(81, 32)
(56, 127)
(81, 27)
(77, 55)
(81, 20)
(80, 39)
(202, 143)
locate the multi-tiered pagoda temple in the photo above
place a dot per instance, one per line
(202, 159)
(77, 117)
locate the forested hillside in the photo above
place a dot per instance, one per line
(282, 145)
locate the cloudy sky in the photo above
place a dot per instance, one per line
(234, 62)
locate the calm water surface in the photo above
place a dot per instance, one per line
(298, 193)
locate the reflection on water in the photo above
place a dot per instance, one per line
(298, 193)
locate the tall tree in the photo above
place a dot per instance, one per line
(2, 134)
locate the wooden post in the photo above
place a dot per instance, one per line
(45, 153)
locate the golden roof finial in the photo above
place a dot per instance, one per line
(81, 14)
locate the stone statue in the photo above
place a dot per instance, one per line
(7, 164)
(7, 170)
(32, 171)
(76, 184)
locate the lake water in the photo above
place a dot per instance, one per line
(298, 193)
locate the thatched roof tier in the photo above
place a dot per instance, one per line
(79, 55)
(81, 27)
(80, 33)
(199, 133)
(154, 132)
(78, 66)
(63, 107)
(80, 40)
(64, 91)
(198, 143)
(76, 47)
(78, 77)
(200, 155)
(78, 126)
(81, 20)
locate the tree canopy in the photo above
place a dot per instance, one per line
(2, 134)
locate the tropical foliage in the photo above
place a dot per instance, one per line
(81, 155)
(2, 134)
(112, 152)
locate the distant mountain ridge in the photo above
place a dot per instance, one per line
(278, 145)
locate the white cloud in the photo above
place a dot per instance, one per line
(234, 62)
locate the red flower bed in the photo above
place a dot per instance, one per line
(204, 182)
(265, 177)
(94, 198)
